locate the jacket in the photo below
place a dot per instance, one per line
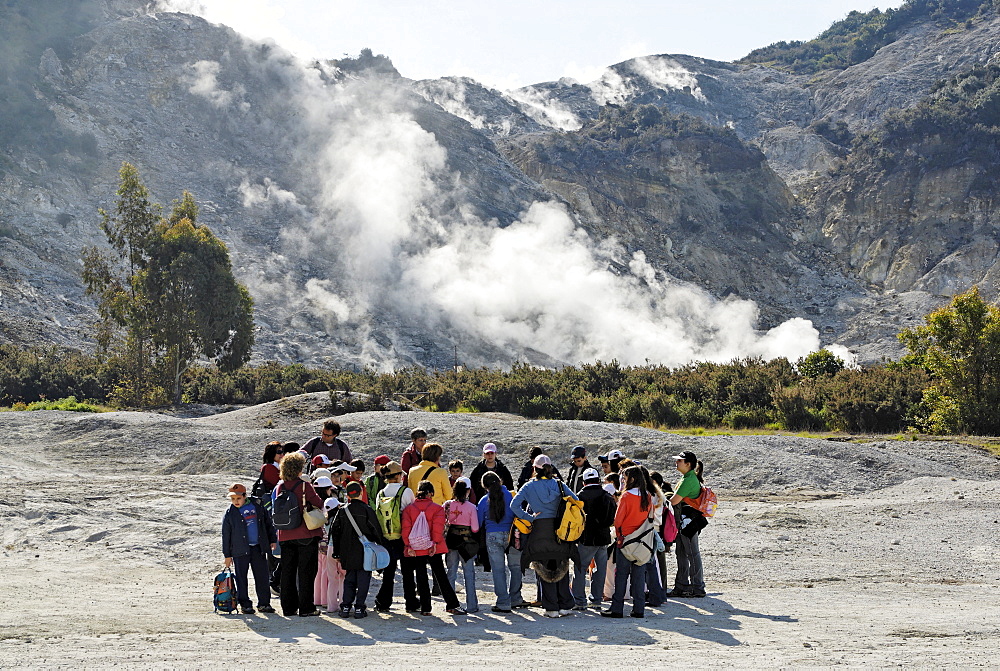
(482, 469)
(630, 515)
(438, 478)
(528, 472)
(409, 459)
(435, 520)
(543, 496)
(600, 509)
(373, 485)
(235, 542)
(312, 498)
(487, 523)
(574, 477)
(344, 539)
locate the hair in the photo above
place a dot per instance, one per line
(292, 465)
(651, 486)
(545, 471)
(535, 451)
(359, 465)
(389, 478)
(432, 452)
(417, 433)
(457, 463)
(698, 470)
(288, 448)
(615, 479)
(271, 451)
(425, 489)
(633, 479)
(622, 464)
(324, 492)
(354, 489)
(494, 486)
(460, 492)
(656, 477)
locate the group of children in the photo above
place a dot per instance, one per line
(429, 516)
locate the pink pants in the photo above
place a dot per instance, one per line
(321, 582)
(334, 584)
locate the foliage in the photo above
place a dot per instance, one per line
(166, 295)
(859, 35)
(960, 346)
(69, 404)
(819, 364)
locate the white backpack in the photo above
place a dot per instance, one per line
(420, 534)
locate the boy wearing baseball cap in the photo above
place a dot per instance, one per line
(247, 534)
(490, 463)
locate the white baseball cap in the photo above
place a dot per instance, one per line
(591, 474)
(331, 503)
(323, 481)
(489, 447)
(541, 460)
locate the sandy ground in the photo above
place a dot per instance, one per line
(110, 539)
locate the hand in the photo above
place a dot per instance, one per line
(228, 562)
(274, 546)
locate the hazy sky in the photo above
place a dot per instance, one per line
(521, 42)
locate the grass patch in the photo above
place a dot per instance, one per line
(69, 404)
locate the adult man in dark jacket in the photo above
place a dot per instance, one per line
(329, 444)
(347, 546)
(599, 507)
(489, 463)
(578, 464)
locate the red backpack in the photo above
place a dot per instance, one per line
(706, 503)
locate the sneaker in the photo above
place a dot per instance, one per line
(551, 613)
(386, 609)
(523, 604)
(309, 614)
(580, 607)
(425, 612)
(265, 609)
(412, 610)
(471, 610)
(248, 610)
(611, 613)
(563, 612)
(498, 609)
(360, 613)
(345, 611)
(677, 592)
(457, 610)
(691, 594)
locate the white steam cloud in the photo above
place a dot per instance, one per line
(544, 109)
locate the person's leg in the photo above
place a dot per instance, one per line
(564, 596)
(321, 583)
(364, 584)
(655, 590)
(452, 560)
(383, 599)
(621, 580)
(637, 576)
(609, 579)
(437, 568)
(580, 568)
(274, 565)
(410, 598)
(350, 590)
(682, 580)
(549, 596)
(514, 569)
(261, 578)
(599, 576)
(661, 558)
(309, 555)
(495, 543)
(423, 589)
(471, 598)
(241, 565)
(289, 572)
(697, 570)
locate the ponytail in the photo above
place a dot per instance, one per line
(545, 471)
(698, 471)
(494, 486)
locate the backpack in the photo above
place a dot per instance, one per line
(669, 528)
(286, 513)
(225, 592)
(571, 518)
(706, 503)
(420, 534)
(389, 518)
(638, 547)
(260, 493)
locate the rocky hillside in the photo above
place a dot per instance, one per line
(382, 221)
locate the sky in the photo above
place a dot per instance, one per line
(520, 42)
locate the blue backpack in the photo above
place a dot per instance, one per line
(225, 592)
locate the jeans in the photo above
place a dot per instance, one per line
(626, 572)
(257, 562)
(654, 585)
(469, 569)
(588, 553)
(516, 577)
(356, 584)
(690, 573)
(299, 563)
(496, 544)
(417, 567)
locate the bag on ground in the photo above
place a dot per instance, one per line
(225, 592)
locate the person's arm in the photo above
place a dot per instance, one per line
(311, 496)
(346, 451)
(445, 484)
(505, 476)
(622, 514)
(516, 505)
(481, 509)
(475, 518)
(227, 539)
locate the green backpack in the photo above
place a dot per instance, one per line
(387, 509)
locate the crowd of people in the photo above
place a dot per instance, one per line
(299, 531)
